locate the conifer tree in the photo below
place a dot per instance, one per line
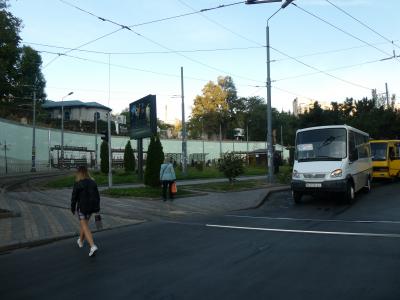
(104, 157)
(155, 157)
(129, 158)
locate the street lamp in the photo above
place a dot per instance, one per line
(62, 127)
(269, 110)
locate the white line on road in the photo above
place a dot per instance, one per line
(366, 234)
(315, 220)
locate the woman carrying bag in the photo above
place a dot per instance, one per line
(85, 200)
(167, 178)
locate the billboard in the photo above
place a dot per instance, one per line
(143, 117)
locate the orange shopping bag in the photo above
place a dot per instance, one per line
(174, 189)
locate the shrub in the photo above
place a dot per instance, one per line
(231, 165)
(129, 158)
(104, 157)
(155, 157)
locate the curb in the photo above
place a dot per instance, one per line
(265, 199)
(40, 242)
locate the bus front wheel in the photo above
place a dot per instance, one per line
(297, 197)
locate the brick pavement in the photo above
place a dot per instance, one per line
(45, 214)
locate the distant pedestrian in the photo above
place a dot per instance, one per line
(277, 162)
(86, 201)
(167, 178)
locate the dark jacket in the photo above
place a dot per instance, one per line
(85, 197)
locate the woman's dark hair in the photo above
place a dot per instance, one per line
(82, 173)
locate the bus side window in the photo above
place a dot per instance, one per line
(353, 152)
(391, 153)
(397, 151)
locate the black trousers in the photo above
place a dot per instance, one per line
(167, 184)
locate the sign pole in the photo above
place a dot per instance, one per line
(140, 158)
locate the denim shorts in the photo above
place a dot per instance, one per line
(83, 216)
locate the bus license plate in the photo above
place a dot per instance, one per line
(313, 185)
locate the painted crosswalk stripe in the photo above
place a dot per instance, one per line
(363, 234)
(315, 220)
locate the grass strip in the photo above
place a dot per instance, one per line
(142, 192)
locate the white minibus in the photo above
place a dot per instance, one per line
(333, 158)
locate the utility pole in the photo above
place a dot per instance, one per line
(202, 138)
(184, 146)
(220, 140)
(96, 167)
(387, 95)
(5, 154)
(247, 138)
(109, 151)
(33, 169)
(109, 125)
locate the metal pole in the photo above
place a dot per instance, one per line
(5, 155)
(140, 158)
(387, 95)
(220, 140)
(269, 113)
(62, 133)
(184, 145)
(247, 137)
(109, 152)
(202, 138)
(281, 135)
(95, 142)
(109, 126)
(49, 146)
(33, 169)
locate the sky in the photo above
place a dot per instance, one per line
(134, 63)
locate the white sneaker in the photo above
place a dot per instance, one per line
(80, 243)
(93, 251)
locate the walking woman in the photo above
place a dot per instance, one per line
(167, 177)
(85, 200)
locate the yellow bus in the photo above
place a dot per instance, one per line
(385, 158)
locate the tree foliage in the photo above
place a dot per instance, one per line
(20, 66)
(155, 157)
(104, 157)
(129, 158)
(231, 165)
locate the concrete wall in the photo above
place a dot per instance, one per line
(18, 138)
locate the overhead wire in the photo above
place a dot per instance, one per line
(222, 26)
(82, 45)
(146, 52)
(131, 68)
(329, 51)
(288, 56)
(163, 46)
(323, 72)
(329, 70)
(135, 25)
(340, 29)
(362, 23)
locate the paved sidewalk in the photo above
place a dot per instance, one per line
(45, 215)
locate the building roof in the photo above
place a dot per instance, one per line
(48, 104)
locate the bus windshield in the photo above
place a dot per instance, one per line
(321, 144)
(379, 151)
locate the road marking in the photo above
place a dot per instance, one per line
(315, 220)
(366, 234)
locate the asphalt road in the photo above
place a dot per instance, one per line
(320, 249)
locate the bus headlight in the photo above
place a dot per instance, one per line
(295, 174)
(336, 173)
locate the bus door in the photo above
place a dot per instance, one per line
(394, 159)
